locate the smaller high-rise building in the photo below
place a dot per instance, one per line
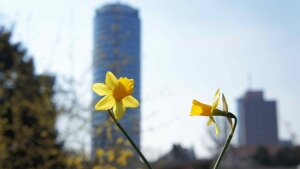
(257, 120)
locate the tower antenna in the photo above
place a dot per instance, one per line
(249, 80)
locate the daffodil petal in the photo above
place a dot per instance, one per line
(111, 80)
(217, 129)
(216, 99)
(130, 101)
(211, 119)
(209, 122)
(119, 110)
(225, 106)
(217, 94)
(105, 103)
(101, 89)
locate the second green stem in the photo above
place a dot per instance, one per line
(129, 139)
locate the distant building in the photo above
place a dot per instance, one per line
(117, 41)
(257, 120)
(181, 158)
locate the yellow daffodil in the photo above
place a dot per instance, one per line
(117, 94)
(200, 109)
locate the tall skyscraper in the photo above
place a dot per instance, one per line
(257, 120)
(117, 41)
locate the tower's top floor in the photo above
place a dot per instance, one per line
(117, 8)
(254, 96)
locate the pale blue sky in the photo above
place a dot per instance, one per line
(189, 49)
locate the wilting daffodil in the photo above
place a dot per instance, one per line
(117, 94)
(200, 109)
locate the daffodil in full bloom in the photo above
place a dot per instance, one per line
(200, 109)
(117, 94)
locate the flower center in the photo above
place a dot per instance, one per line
(124, 88)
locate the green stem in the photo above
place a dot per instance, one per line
(129, 139)
(230, 115)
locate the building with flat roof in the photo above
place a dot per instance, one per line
(257, 120)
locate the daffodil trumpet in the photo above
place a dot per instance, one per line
(201, 109)
(117, 97)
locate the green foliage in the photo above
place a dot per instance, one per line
(27, 112)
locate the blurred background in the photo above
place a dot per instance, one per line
(51, 52)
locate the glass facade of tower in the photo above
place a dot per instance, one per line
(116, 49)
(257, 120)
